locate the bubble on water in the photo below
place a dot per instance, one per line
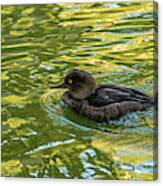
(112, 5)
(146, 40)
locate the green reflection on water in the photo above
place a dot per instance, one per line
(41, 137)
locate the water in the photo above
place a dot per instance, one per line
(41, 136)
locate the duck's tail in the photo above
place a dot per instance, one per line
(154, 100)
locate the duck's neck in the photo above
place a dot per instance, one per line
(83, 93)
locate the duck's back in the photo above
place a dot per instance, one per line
(108, 94)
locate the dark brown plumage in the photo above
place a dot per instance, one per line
(102, 102)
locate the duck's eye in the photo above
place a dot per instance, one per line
(70, 81)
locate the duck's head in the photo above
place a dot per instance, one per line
(79, 83)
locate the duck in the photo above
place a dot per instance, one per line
(100, 102)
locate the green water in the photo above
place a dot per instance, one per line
(41, 136)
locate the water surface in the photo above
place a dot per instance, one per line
(41, 136)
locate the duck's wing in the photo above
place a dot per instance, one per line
(108, 94)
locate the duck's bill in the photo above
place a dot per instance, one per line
(62, 85)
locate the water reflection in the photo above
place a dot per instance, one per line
(41, 137)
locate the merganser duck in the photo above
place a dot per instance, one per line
(101, 102)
